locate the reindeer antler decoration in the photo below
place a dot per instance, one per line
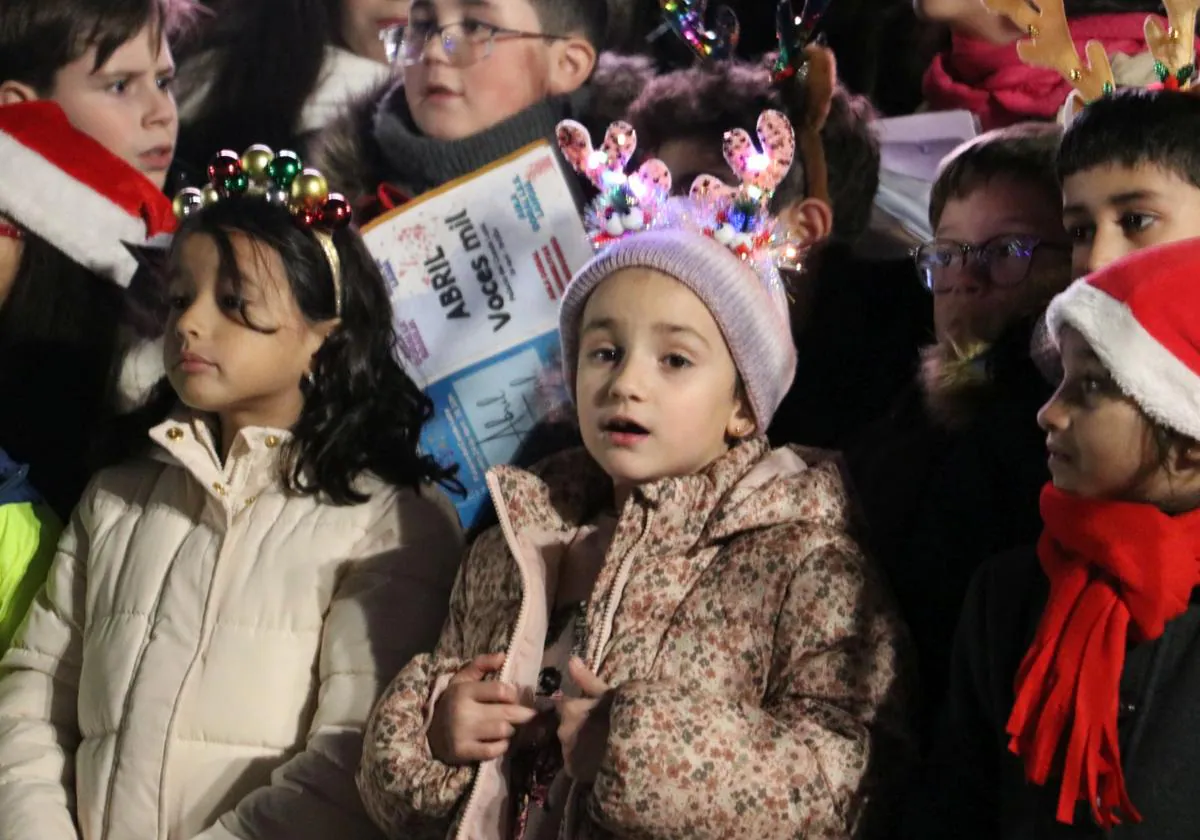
(741, 215)
(686, 18)
(1049, 44)
(1174, 49)
(627, 203)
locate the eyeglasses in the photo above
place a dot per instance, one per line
(464, 42)
(1003, 261)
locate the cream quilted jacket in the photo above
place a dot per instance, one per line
(208, 647)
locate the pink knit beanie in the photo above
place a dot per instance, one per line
(753, 321)
(721, 243)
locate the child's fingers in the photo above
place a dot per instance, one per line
(479, 667)
(484, 751)
(518, 715)
(494, 692)
(590, 684)
(495, 730)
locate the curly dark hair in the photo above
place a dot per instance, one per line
(362, 412)
(705, 101)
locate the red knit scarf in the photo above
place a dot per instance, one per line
(991, 81)
(1118, 573)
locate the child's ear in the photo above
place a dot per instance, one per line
(809, 221)
(14, 93)
(741, 422)
(572, 61)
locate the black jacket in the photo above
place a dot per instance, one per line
(975, 788)
(938, 501)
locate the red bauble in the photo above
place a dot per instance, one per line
(1170, 82)
(309, 218)
(337, 212)
(226, 164)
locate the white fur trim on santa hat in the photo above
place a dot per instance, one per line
(141, 369)
(80, 222)
(1146, 371)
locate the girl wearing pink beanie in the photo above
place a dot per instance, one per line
(670, 632)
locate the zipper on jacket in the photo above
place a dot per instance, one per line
(593, 661)
(207, 624)
(522, 615)
(122, 724)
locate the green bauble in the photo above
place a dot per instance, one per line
(235, 184)
(284, 168)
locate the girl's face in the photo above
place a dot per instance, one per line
(656, 386)
(1101, 445)
(363, 20)
(237, 353)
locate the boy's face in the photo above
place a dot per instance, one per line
(452, 97)
(656, 387)
(971, 307)
(1113, 210)
(363, 20)
(126, 105)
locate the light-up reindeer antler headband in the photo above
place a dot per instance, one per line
(282, 180)
(738, 218)
(687, 19)
(627, 203)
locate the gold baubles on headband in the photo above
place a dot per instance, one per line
(279, 178)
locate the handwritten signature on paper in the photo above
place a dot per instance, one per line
(506, 421)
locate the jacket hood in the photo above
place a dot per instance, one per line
(750, 488)
(345, 150)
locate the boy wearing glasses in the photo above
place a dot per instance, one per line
(952, 476)
(1130, 170)
(480, 79)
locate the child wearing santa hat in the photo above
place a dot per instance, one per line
(1075, 677)
(67, 317)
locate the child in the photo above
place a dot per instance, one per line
(106, 62)
(982, 71)
(277, 73)
(858, 325)
(28, 533)
(480, 81)
(227, 602)
(951, 476)
(1125, 187)
(681, 605)
(69, 306)
(1073, 689)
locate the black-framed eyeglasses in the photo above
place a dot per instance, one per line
(1003, 261)
(464, 42)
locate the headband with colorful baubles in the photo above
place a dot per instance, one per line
(737, 217)
(795, 31)
(1048, 44)
(688, 20)
(281, 179)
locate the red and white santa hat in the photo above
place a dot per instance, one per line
(59, 183)
(1141, 316)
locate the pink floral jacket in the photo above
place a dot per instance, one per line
(759, 669)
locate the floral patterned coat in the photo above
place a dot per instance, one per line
(759, 670)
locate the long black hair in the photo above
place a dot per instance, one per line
(61, 332)
(362, 412)
(261, 62)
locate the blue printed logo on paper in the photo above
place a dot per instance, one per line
(526, 203)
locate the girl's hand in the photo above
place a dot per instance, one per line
(583, 724)
(475, 720)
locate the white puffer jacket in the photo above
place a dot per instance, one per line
(208, 648)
